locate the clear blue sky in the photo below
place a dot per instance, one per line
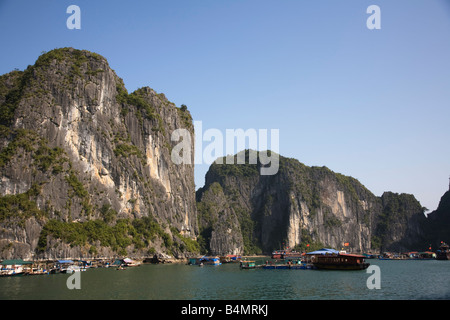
(372, 104)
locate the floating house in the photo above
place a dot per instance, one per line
(214, 261)
(13, 267)
(130, 263)
(230, 258)
(63, 266)
(205, 260)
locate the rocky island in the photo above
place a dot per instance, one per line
(85, 166)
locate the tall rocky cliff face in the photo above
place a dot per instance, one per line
(438, 223)
(301, 205)
(86, 168)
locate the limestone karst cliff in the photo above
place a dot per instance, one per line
(302, 205)
(438, 223)
(86, 167)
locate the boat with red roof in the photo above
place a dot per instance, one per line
(333, 260)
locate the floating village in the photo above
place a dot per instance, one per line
(325, 258)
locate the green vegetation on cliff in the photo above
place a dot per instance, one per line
(116, 234)
(229, 166)
(18, 208)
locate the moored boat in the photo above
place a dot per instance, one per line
(247, 264)
(293, 255)
(443, 253)
(72, 269)
(278, 254)
(210, 260)
(340, 261)
(13, 267)
(234, 257)
(62, 266)
(286, 254)
(205, 260)
(11, 270)
(230, 258)
(130, 263)
(425, 255)
(276, 266)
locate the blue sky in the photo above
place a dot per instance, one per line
(372, 104)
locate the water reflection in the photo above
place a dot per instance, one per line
(399, 280)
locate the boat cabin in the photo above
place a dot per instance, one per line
(340, 262)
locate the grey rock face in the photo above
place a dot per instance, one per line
(71, 131)
(306, 205)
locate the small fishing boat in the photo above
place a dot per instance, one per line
(247, 264)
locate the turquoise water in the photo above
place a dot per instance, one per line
(427, 279)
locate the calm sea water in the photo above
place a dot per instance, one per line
(427, 279)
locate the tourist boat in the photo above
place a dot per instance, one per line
(443, 253)
(340, 261)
